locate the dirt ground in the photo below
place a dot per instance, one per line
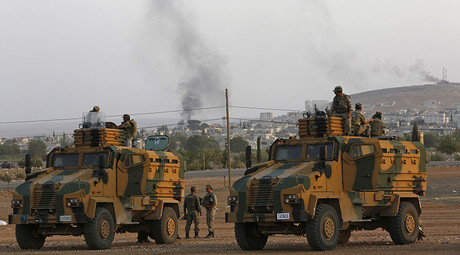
(440, 218)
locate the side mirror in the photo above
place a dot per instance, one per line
(27, 164)
(248, 156)
(323, 153)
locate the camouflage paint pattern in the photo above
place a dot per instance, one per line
(365, 178)
(136, 190)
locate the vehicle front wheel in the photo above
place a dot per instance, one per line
(404, 227)
(28, 238)
(99, 233)
(324, 229)
(165, 230)
(248, 238)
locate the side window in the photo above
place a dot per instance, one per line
(133, 159)
(358, 151)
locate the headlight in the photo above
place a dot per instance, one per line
(73, 202)
(16, 203)
(291, 199)
(232, 200)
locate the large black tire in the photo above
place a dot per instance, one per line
(248, 238)
(27, 237)
(99, 233)
(404, 227)
(344, 236)
(324, 229)
(165, 230)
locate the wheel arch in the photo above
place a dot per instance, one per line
(393, 209)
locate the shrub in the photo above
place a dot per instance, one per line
(438, 157)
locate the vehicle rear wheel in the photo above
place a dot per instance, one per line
(165, 230)
(323, 230)
(28, 238)
(248, 238)
(344, 236)
(99, 233)
(404, 227)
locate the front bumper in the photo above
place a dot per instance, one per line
(72, 218)
(288, 217)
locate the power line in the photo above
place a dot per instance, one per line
(265, 108)
(109, 116)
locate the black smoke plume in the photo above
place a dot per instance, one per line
(205, 72)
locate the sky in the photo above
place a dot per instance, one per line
(59, 58)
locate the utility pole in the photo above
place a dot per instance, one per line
(229, 158)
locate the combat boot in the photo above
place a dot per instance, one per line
(187, 236)
(196, 235)
(210, 235)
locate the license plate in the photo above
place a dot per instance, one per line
(65, 218)
(282, 216)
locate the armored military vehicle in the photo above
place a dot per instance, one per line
(325, 185)
(97, 188)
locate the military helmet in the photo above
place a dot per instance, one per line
(126, 116)
(338, 89)
(95, 109)
(358, 106)
(208, 186)
(378, 114)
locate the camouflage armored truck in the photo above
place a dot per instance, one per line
(326, 185)
(98, 188)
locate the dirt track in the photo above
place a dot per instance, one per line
(440, 217)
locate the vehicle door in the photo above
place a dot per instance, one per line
(361, 164)
(130, 174)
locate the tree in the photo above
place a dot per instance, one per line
(447, 144)
(36, 161)
(200, 143)
(10, 147)
(415, 133)
(177, 141)
(238, 144)
(430, 139)
(259, 156)
(37, 148)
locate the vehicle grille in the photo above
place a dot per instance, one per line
(44, 199)
(261, 196)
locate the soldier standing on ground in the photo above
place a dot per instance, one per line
(342, 107)
(210, 202)
(129, 126)
(359, 123)
(192, 211)
(377, 126)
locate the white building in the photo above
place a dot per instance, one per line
(266, 116)
(434, 117)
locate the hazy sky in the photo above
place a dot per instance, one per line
(59, 58)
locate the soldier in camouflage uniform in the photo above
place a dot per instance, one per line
(210, 201)
(377, 126)
(192, 210)
(359, 123)
(342, 107)
(129, 126)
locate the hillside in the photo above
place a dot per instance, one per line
(387, 100)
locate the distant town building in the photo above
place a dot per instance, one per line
(434, 118)
(266, 116)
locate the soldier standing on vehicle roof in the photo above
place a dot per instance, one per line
(129, 126)
(192, 210)
(359, 123)
(342, 107)
(377, 126)
(210, 202)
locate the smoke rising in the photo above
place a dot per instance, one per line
(204, 69)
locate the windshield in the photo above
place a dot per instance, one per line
(92, 159)
(65, 160)
(313, 150)
(289, 152)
